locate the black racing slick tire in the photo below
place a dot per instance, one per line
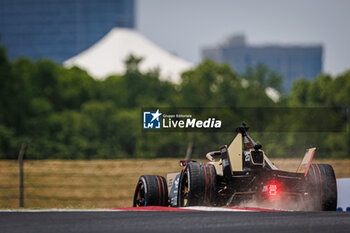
(322, 188)
(151, 191)
(197, 185)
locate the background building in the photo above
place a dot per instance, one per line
(289, 61)
(59, 29)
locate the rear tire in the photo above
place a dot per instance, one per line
(197, 185)
(322, 188)
(151, 191)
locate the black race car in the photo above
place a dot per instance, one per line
(242, 175)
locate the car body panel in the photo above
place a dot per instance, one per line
(235, 153)
(173, 186)
(305, 163)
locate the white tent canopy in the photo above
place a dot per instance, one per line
(107, 56)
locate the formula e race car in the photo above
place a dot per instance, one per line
(242, 175)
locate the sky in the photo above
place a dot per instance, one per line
(184, 27)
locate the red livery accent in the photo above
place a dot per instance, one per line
(154, 208)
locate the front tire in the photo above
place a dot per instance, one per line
(322, 187)
(151, 191)
(197, 185)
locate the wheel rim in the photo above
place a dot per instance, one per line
(140, 195)
(184, 191)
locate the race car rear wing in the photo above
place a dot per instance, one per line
(234, 152)
(306, 162)
(232, 156)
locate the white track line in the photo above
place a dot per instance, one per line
(59, 210)
(206, 208)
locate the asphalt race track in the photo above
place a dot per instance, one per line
(168, 221)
